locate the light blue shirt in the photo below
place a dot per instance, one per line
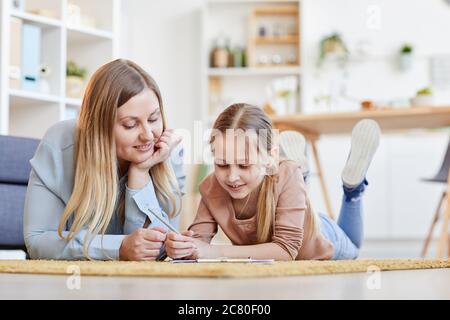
(50, 188)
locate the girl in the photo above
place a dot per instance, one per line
(95, 184)
(268, 215)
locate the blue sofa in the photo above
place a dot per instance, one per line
(15, 154)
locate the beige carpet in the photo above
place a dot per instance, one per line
(230, 270)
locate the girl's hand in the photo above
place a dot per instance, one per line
(181, 246)
(203, 250)
(142, 244)
(166, 143)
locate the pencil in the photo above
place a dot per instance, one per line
(163, 255)
(164, 222)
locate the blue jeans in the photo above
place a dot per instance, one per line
(347, 234)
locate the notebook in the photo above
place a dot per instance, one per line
(225, 260)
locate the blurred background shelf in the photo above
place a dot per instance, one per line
(251, 53)
(275, 10)
(79, 31)
(72, 102)
(259, 2)
(276, 40)
(84, 35)
(254, 71)
(26, 97)
(35, 19)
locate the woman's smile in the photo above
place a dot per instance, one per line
(145, 147)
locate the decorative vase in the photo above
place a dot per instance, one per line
(73, 15)
(405, 61)
(423, 100)
(74, 87)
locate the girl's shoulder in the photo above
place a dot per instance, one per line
(288, 170)
(288, 167)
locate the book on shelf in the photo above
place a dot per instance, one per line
(31, 48)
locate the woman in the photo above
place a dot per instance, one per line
(96, 184)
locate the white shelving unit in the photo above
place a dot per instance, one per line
(252, 71)
(235, 19)
(30, 113)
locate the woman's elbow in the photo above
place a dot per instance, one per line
(33, 249)
(40, 249)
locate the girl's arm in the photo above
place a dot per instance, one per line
(204, 228)
(201, 231)
(287, 238)
(258, 251)
(288, 230)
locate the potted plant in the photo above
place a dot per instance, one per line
(424, 97)
(406, 57)
(333, 46)
(75, 77)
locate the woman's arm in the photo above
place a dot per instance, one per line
(141, 201)
(140, 196)
(42, 213)
(138, 203)
(43, 210)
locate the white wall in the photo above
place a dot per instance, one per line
(164, 37)
(398, 204)
(380, 27)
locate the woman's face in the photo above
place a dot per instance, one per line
(138, 127)
(238, 166)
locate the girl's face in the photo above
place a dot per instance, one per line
(138, 127)
(238, 165)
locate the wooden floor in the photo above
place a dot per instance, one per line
(416, 284)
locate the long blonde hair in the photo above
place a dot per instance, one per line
(96, 195)
(247, 117)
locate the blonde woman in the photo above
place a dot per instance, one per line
(97, 183)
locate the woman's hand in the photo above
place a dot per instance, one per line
(184, 246)
(142, 244)
(166, 143)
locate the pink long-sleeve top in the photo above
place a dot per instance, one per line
(291, 231)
